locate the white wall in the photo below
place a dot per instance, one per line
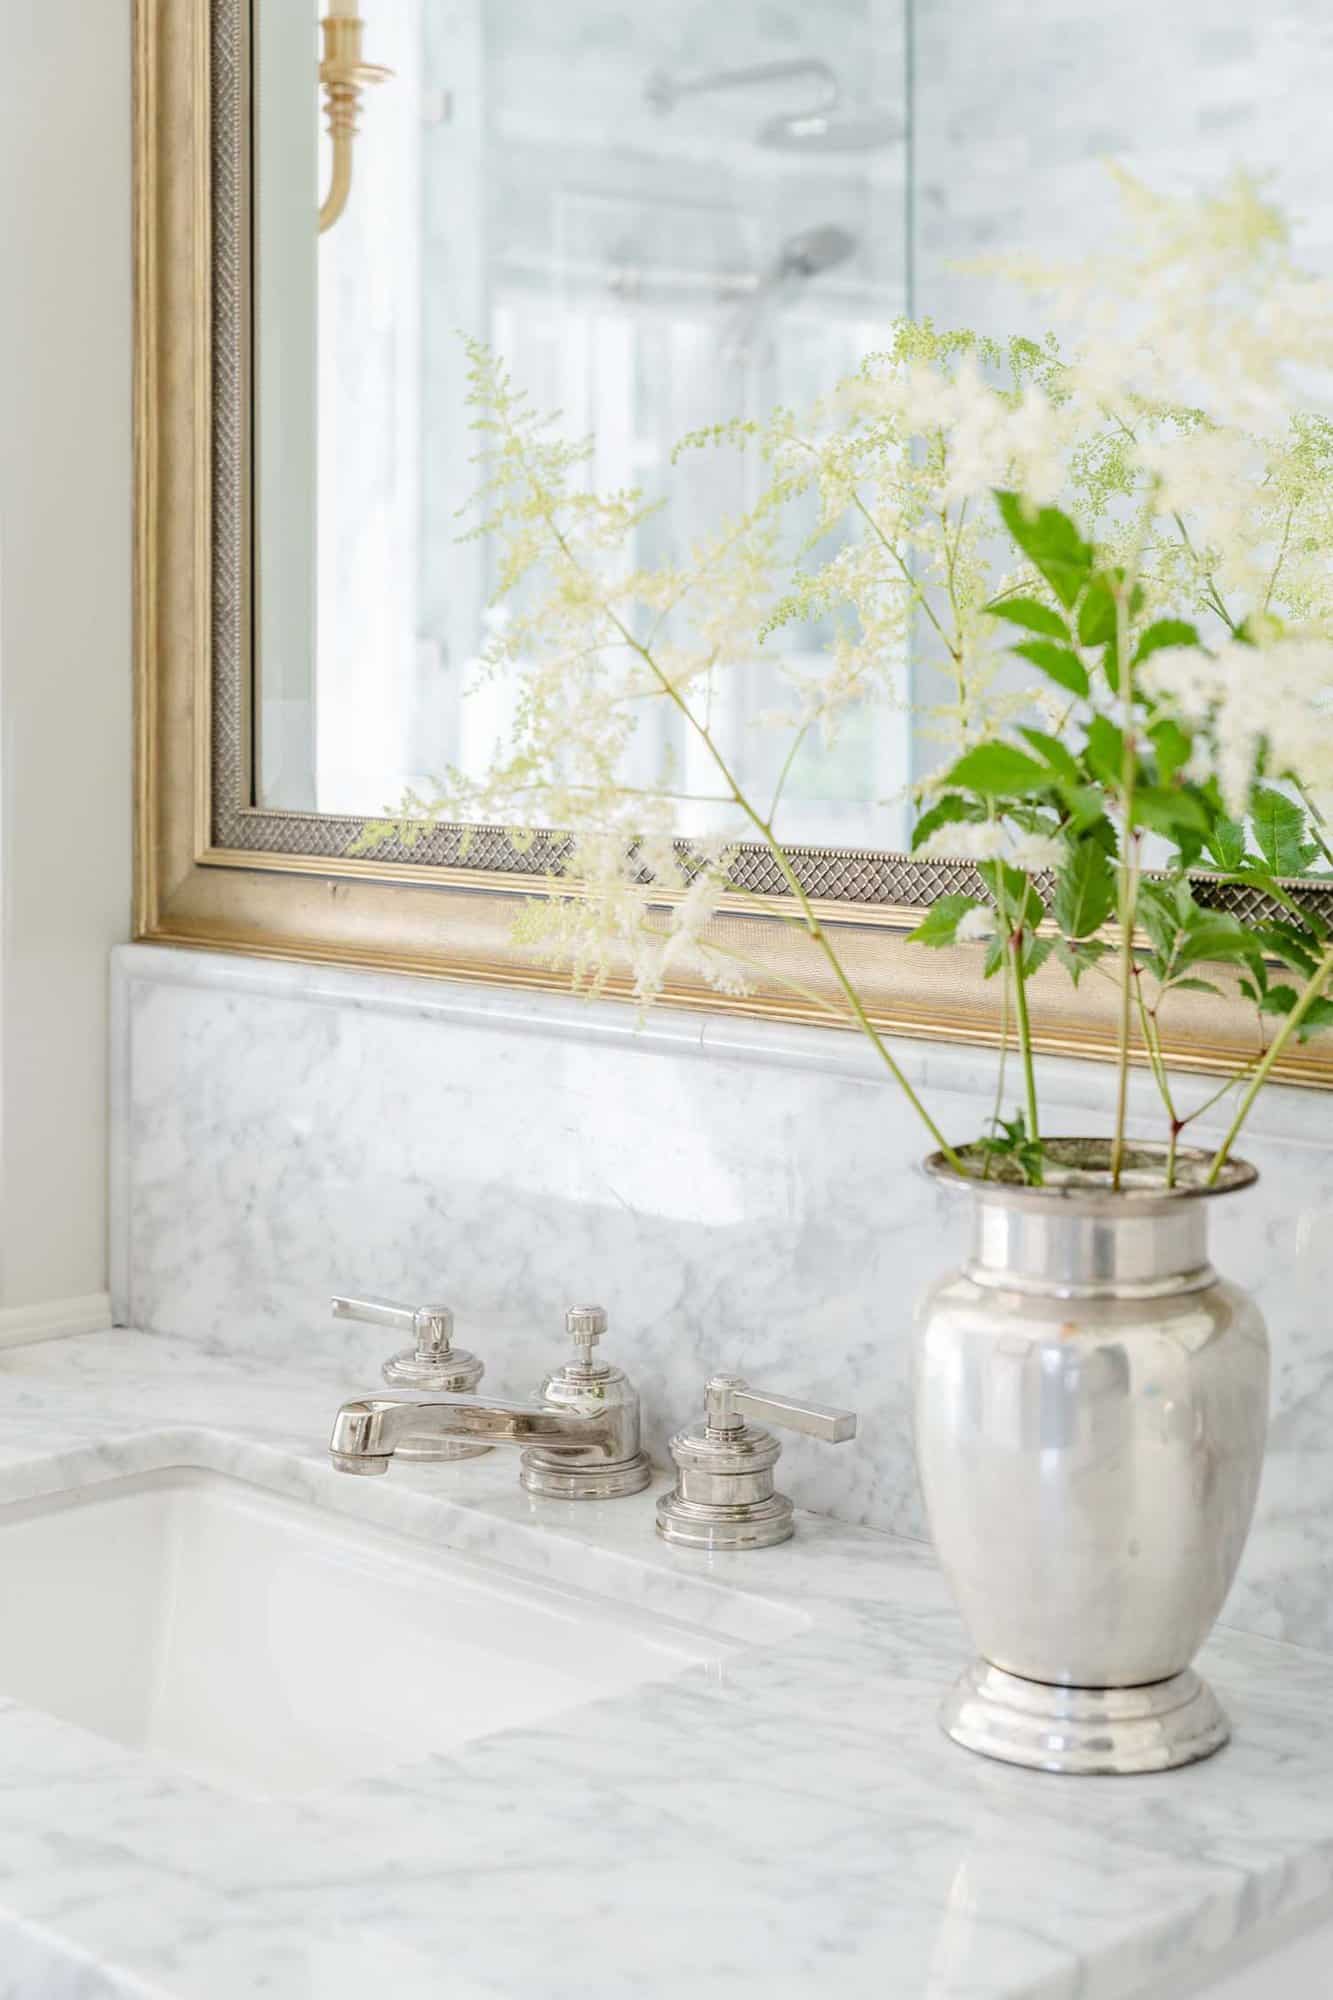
(65, 679)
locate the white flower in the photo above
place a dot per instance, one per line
(981, 842)
(1250, 702)
(976, 926)
(990, 438)
(1035, 851)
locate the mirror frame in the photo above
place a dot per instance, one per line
(215, 871)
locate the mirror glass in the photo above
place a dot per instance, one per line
(660, 218)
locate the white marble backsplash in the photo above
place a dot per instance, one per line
(739, 1195)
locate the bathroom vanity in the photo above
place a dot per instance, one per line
(279, 1731)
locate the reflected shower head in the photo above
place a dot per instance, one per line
(819, 128)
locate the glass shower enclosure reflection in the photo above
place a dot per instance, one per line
(660, 218)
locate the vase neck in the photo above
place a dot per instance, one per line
(1064, 1252)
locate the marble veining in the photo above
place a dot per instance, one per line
(739, 1194)
(791, 1823)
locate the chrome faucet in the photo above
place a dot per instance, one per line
(367, 1433)
(587, 1422)
(431, 1363)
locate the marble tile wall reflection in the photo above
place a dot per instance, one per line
(738, 1195)
(1019, 106)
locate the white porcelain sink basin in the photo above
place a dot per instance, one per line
(265, 1644)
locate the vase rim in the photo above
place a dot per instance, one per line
(1079, 1176)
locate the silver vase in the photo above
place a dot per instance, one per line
(1091, 1406)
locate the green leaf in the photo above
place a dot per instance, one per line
(1085, 807)
(1008, 1139)
(1195, 986)
(1084, 891)
(1159, 915)
(1096, 614)
(1319, 1015)
(1053, 752)
(1020, 907)
(1172, 747)
(1035, 954)
(1036, 951)
(1254, 877)
(1278, 1000)
(1168, 810)
(948, 811)
(1288, 943)
(1032, 615)
(1105, 750)
(941, 921)
(1212, 935)
(1164, 632)
(1079, 958)
(1052, 543)
(1279, 832)
(1226, 842)
(1057, 663)
(998, 770)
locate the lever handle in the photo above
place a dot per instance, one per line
(431, 1327)
(730, 1401)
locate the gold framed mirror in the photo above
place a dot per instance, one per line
(219, 868)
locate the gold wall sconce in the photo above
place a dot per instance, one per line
(343, 76)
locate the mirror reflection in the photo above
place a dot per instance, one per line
(657, 220)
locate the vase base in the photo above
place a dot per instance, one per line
(1089, 1732)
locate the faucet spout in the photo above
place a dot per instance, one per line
(367, 1432)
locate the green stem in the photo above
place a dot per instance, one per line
(1209, 1101)
(997, 1111)
(797, 740)
(1310, 992)
(1153, 1044)
(1211, 592)
(1127, 885)
(1281, 556)
(1024, 1033)
(918, 594)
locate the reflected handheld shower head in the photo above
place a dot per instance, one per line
(801, 258)
(811, 251)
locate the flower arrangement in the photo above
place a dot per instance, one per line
(1118, 562)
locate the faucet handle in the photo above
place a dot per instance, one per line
(431, 1327)
(585, 1326)
(729, 1400)
(432, 1363)
(724, 1496)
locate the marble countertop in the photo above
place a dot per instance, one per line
(793, 1828)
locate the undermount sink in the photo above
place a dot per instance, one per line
(264, 1644)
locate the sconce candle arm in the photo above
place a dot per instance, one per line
(343, 76)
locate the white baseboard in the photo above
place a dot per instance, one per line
(55, 1319)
